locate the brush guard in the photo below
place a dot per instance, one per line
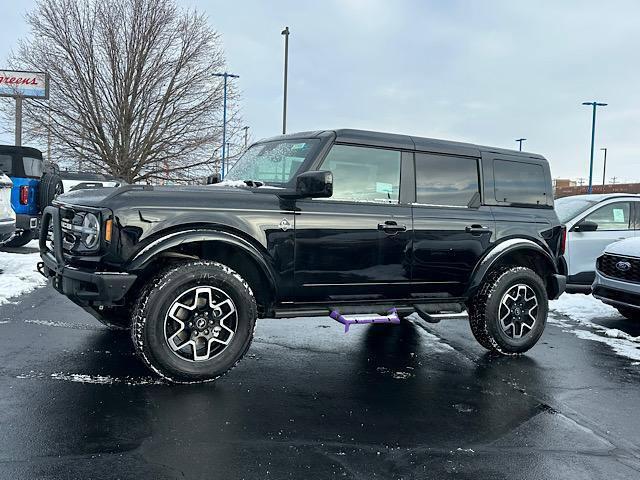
(348, 320)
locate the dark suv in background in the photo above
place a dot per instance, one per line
(343, 221)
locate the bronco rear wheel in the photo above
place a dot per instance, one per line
(509, 312)
(194, 322)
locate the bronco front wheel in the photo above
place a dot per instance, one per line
(194, 322)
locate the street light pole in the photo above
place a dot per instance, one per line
(593, 137)
(604, 169)
(246, 135)
(285, 32)
(224, 75)
(520, 140)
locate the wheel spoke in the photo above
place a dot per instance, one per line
(518, 311)
(196, 319)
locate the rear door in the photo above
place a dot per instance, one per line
(615, 221)
(357, 242)
(451, 228)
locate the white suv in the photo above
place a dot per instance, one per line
(7, 215)
(593, 222)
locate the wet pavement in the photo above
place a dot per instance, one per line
(308, 401)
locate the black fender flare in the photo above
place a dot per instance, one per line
(499, 251)
(170, 240)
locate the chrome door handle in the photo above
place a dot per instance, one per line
(391, 227)
(476, 229)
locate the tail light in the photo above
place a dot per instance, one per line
(24, 194)
(563, 241)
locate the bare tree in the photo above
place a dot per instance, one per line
(131, 91)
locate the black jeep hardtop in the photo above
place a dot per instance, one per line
(336, 222)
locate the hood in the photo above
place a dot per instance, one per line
(172, 195)
(629, 247)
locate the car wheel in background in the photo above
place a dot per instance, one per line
(20, 239)
(509, 312)
(194, 321)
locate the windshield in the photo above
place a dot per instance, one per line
(568, 208)
(272, 162)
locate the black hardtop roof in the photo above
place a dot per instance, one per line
(25, 151)
(406, 142)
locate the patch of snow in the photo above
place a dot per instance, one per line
(77, 326)
(433, 342)
(581, 310)
(581, 307)
(93, 379)
(18, 274)
(241, 184)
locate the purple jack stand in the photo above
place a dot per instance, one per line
(348, 320)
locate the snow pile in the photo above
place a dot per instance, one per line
(18, 274)
(581, 309)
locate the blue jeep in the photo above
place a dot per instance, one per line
(33, 189)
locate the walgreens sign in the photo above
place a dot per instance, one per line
(16, 83)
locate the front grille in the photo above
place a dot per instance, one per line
(617, 266)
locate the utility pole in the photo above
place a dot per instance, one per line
(593, 137)
(613, 180)
(246, 136)
(285, 32)
(604, 169)
(224, 75)
(520, 140)
(18, 121)
(580, 181)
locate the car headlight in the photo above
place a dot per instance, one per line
(90, 231)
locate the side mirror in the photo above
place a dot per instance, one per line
(586, 226)
(314, 184)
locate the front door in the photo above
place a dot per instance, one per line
(358, 242)
(451, 229)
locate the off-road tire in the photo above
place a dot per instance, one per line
(148, 322)
(50, 187)
(20, 239)
(483, 310)
(629, 313)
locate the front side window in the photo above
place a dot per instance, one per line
(615, 216)
(519, 183)
(32, 167)
(272, 162)
(364, 174)
(442, 180)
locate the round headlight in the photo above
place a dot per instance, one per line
(90, 231)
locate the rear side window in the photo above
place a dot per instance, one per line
(32, 167)
(444, 180)
(519, 183)
(5, 164)
(364, 174)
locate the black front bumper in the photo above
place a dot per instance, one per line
(85, 287)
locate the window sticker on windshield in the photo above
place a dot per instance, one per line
(382, 187)
(618, 215)
(298, 146)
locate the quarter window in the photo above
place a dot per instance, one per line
(442, 180)
(364, 174)
(615, 216)
(5, 164)
(519, 183)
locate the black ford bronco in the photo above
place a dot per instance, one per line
(337, 222)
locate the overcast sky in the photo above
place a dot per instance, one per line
(485, 72)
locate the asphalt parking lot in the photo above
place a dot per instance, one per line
(308, 401)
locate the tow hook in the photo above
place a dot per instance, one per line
(40, 268)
